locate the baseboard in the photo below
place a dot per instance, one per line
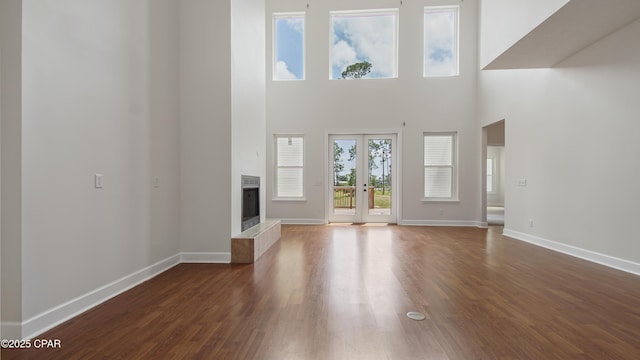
(200, 257)
(303, 221)
(61, 313)
(462, 223)
(602, 259)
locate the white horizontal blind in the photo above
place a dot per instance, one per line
(289, 166)
(439, 165)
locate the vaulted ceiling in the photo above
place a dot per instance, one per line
(572, 28)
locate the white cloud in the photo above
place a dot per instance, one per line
(342, 54)
(439, 44)
(372, 38)
(439, 29)
(296, 24)
(282, 72)
(446, 67)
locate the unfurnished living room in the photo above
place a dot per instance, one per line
(280, 179)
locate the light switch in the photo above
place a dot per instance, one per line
(522, 182)
(98, 181)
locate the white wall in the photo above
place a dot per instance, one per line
(248, 101)
(316, 105)
(99, 82)
(164, 126)
(137, 91)
(205, 127)
(10, 115)
(1, 81)
(504, 22)
(572, 133)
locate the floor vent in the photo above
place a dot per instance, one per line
(413, 315)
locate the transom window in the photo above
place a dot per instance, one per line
(364, 44)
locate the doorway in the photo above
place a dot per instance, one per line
(363, 178)
(494, 173)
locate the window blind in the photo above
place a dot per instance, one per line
(289, 166)
(439, 165)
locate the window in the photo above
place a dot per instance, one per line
(364, 44)
(288, 46)
(440, 41)
(440, 172)
(490, 167)
(289, 166)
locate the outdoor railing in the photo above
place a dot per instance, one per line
(344, 197)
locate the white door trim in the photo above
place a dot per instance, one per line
(328, 162)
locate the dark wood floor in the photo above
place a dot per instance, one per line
(342, 292)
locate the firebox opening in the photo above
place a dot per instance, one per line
(250, 201)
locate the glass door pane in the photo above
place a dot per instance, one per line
(362, 178)
(344, 177)
(380, 177)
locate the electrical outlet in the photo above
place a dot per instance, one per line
(156, 182)
(530, 223)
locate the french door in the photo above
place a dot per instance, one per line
(362, 178)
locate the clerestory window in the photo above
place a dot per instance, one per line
(441, 41)
(288, 46)
(364, 44)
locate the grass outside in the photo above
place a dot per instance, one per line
(340, 199)
(382, 201)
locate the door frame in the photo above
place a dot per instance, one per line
(328, 163)
(483, 178)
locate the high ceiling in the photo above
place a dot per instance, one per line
(572, 28)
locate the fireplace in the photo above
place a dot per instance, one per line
(250, 201)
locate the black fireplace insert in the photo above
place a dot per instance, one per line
(250, 201)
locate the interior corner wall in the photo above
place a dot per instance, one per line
(248, 97)
(1, 81)
(572, 134)
(164, 127)
(98, 82)
(10, 142)
(205, 126)
(0, 185)
(504, 22)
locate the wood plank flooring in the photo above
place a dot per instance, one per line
(342, 292)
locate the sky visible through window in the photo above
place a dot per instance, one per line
(289, 47)
(367, 36)
(364, 36)
(440, 41)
